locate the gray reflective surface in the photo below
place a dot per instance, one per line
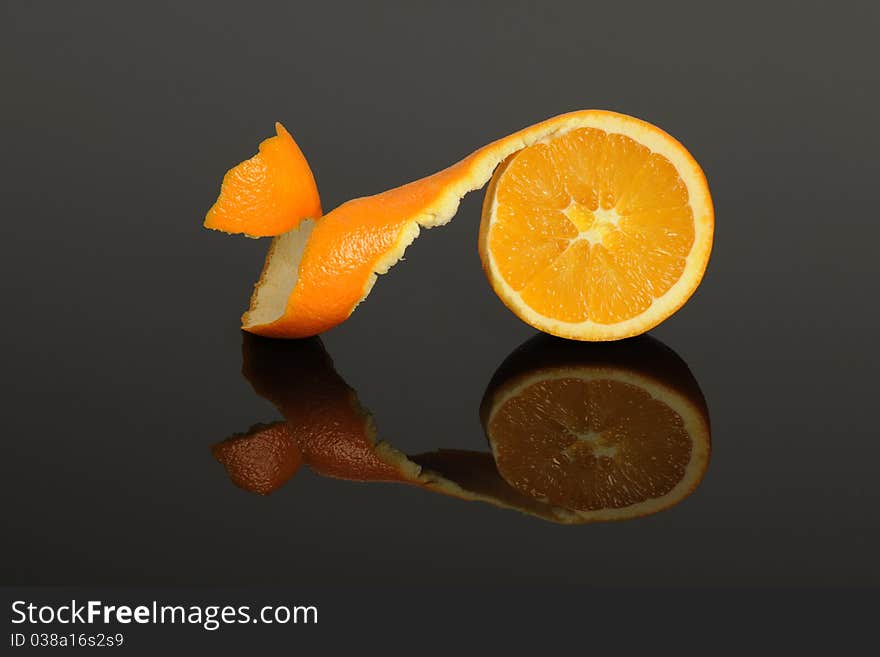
(123, 353)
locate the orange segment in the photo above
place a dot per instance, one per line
(655, 187)
(581, 176)
(535, 253)
(268, 194)
(557, 289)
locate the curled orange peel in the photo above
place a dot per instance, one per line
(269, 194)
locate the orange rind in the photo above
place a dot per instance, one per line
(269, 194)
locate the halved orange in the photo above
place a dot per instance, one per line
(609, 432)
(599, 233)
(599, 227)
(268, 194)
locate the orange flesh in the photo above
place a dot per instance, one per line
(590, 226)
(589, 444)
(268, 194)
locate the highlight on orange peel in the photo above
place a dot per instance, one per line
(597, 226)
(645, 446)
(269, 194)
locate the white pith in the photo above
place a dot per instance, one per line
(279, 276)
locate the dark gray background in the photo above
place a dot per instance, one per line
(122, 348)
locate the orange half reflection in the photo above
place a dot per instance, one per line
(578, 432)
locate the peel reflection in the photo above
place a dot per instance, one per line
(578, 432)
